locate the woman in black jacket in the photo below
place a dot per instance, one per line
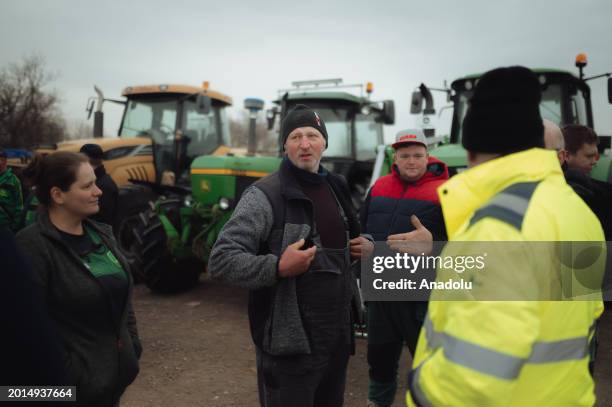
(85, 279)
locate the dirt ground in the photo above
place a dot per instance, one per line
(198, 352)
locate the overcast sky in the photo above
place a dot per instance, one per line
(247, 49)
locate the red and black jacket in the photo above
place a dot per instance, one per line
(391, 202)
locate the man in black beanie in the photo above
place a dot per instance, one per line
(516, 351)
(291, 240)
(302, 116)
(504, 114)
(110, 191)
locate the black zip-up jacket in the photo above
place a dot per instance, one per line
(108, 200)
(101, 357)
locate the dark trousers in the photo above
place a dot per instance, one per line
(390, 326)
(294, 381)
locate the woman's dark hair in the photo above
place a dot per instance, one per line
(53, 170)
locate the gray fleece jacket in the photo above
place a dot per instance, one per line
(247, 252)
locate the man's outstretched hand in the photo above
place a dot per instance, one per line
(416, 242)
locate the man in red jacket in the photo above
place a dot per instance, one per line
(401, 207)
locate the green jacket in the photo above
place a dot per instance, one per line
(100, 356)
(11, 201)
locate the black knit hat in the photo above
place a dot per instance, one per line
(504, 115)
(302, 116)
(93, 151)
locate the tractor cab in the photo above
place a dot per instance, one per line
(354, 125)
(182, 122)
(566, 99)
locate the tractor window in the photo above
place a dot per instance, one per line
(338, 131)
(118, 152)
(550, 106)
(578, 106)
(200, 131)
(461, 107)
(150, 118)
(368, 135)
(224, 125)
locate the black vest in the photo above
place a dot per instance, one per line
(291, 207)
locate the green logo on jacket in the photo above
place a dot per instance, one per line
(112, 258)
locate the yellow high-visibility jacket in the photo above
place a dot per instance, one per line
(509, 353)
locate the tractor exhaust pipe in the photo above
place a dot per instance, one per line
(98, 126)
(253, 105)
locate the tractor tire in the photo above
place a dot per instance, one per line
(160, 270)
(133, 200)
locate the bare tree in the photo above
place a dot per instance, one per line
(78, 129)
(239, 129)
(29, 114)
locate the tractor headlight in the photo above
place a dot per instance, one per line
(188, 201)
(224, 204)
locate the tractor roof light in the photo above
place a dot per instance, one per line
(581, 60)
(205, 85)
(369, 87)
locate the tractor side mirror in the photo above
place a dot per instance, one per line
(271, 116)
(388, 115)
(609, 90)
(203, 103)
(416, 104)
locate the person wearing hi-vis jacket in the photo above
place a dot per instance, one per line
(513, 350)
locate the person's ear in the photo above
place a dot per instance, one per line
(57, 196)
(471, 158)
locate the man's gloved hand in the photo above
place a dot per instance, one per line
(416, 242)
(294, 261)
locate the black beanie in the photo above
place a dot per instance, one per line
(504, 114)
(302, 116)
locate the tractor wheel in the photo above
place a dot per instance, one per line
(133, 199)
(161, 271)
(128, 244)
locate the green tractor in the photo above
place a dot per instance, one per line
(173, 238)
(355, 125)
(566, 99)
(171, 125)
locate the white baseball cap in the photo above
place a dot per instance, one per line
(409, 136)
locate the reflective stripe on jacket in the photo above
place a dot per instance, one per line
(509, 353)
